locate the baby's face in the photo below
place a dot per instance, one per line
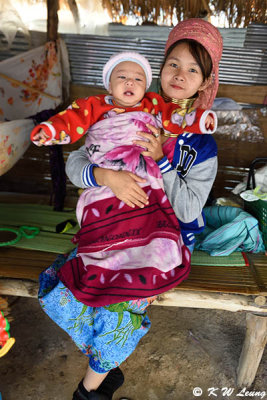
(127, 84)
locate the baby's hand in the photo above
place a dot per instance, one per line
(40, 137)
(209, 122)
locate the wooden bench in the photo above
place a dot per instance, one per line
(224, 288)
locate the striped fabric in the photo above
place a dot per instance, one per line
(88, 176)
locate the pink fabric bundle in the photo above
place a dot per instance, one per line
(210, 38)
(125, 253)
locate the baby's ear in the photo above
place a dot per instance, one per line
(205, 84)
(109, 89)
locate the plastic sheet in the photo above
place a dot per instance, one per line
(14, 141)
(35, 82)
(241, 125)
(10, 23)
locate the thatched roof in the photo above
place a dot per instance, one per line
(236, 12)
(151, 11)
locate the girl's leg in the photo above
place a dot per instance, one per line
(113, 341)
(92, 379)
(107, 335)
(117, 331)
(88, 388)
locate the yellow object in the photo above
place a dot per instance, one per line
(7, 347)
(67, 227)
(224, 201)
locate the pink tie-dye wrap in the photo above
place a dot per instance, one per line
(124, 253)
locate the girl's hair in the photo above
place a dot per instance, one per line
(199, 53)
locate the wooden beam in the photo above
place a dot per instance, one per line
(253, 347)
(18, 287)
(244, 93)
(79, 91)
(208, 300)
(175, 298)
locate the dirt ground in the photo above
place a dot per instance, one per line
(185, 349)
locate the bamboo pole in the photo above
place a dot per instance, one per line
(28, 87)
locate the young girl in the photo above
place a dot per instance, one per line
(188, 166)
(189, 172)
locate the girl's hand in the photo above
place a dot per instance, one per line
(124, 185)
(153, 144)
(40, 137)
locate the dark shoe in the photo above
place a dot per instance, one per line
(92, 395)
(105, 391)
(111, 383)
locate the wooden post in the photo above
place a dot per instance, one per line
(57, 165)
(253, 347)
(52, 19)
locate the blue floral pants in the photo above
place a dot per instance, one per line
(107, 335)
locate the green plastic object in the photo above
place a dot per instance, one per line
(258, 209)
(29, 232)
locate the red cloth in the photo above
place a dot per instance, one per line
(96, 286)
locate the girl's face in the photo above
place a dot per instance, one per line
(181, 76)
(127, 84)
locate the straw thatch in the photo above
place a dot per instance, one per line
(247, 11)
(237, 12)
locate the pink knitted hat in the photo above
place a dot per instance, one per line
(210, 38)
(126, 56)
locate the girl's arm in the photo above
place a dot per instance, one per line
(189, 195)
(123, 184)
(79, 170)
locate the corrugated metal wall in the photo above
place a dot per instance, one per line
(233, 37)
(88, 54)
(256, 36)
